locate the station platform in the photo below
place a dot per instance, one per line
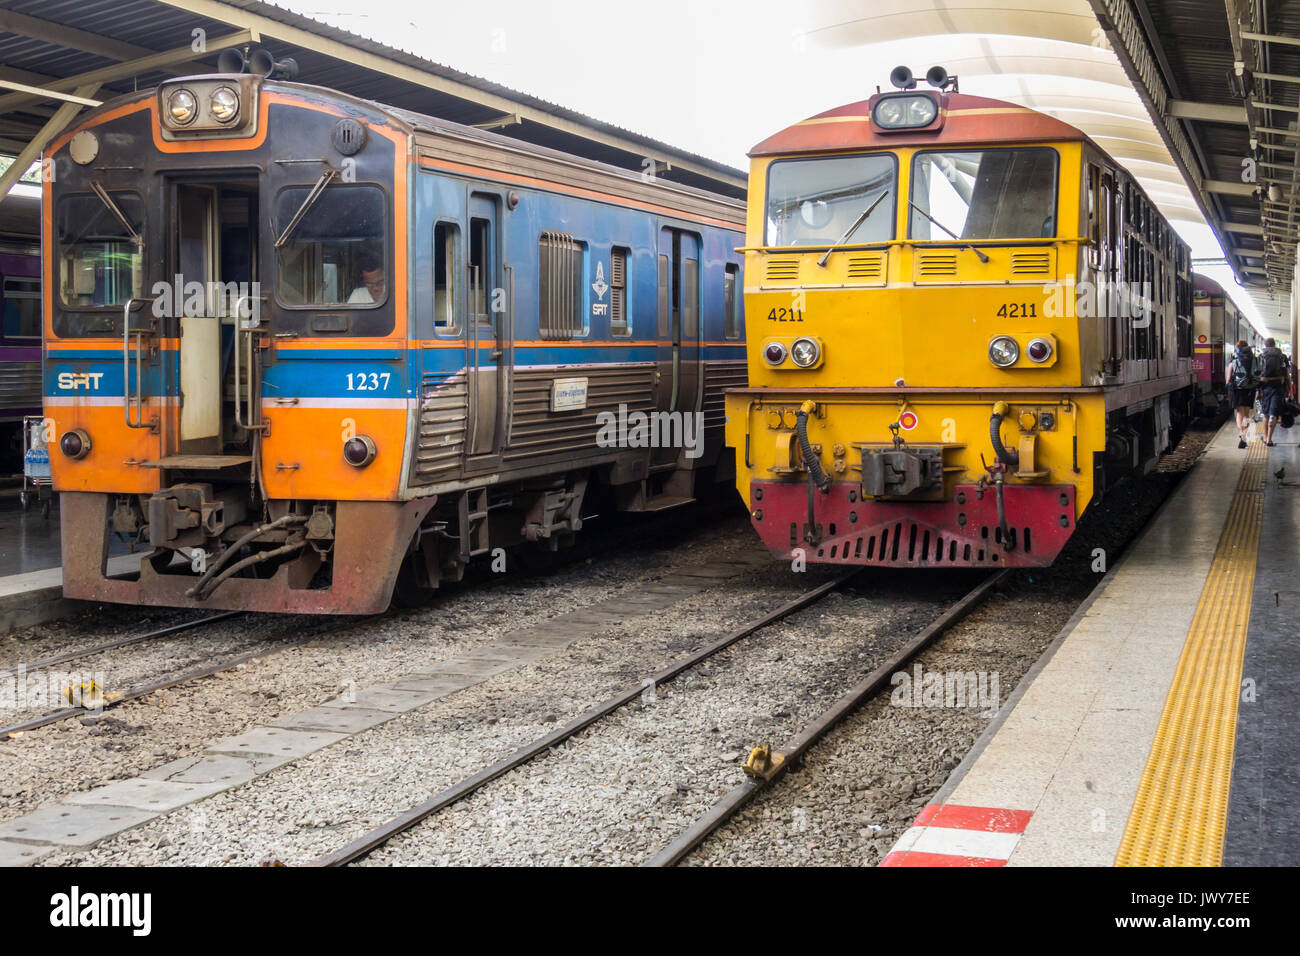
(31, 575)
(1162, 726)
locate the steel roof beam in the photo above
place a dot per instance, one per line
(61, 118)
(1207, 112)
(226, 13)
(120, 71)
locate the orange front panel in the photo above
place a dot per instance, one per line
(111, 465)
(303, 455)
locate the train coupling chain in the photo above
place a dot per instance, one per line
(763, 762)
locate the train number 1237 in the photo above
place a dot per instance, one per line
(368, 381)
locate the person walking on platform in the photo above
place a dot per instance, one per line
(1272, 387)
(1242, 377)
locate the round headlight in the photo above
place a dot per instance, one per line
(774, 353)
(183, 107)
(224, 104)
(890, 113)
(804, 352)
(1003, 351)
(359, 452)
(75, 444)
(921, 111)
(1039, 350)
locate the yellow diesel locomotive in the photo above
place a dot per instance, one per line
(965, 321)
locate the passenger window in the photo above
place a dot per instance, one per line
(446, 241)
(690, 297)
(663, 296)
(731, 303)
(618, 323)
(22, 308)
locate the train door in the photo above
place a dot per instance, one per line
(679, 327)
(197, 255)
(214, 265)
(487, 359)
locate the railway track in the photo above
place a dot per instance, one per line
(594, 544)
(383, 834)
(55, 659)
(106, 701)
(766, 765)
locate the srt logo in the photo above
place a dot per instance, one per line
(76, 380)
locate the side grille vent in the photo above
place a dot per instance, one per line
(866, 267)
(782, 269)
(931, 265)
(1031, 263)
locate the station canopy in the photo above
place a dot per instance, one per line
(58, 57)
(1197, 98)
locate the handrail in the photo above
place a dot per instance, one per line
(248, 332)
(128, 397)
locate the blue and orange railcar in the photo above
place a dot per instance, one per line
(310, 350)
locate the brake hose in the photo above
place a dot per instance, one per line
(815, 472)
(1005, 455)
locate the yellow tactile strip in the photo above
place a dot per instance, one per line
(1181, 808)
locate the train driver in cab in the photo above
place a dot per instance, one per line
(371, 289)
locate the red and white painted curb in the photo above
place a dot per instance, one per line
(945, 834)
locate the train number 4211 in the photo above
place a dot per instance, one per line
(785, 315)
(1023, 310)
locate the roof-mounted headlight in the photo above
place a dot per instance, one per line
(224, 104)
(905, 111)
(183, 107)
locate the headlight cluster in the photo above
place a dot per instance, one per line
(183, 107)
(804, 352)
(905, 112)
(1004, 351)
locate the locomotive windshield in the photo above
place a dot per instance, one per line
(819, 202)
(985, 194)
(336, 254)
(100, 263)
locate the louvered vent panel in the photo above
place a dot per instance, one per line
(782, 269)
(866, 267)
(931, 265)
(1031, 263)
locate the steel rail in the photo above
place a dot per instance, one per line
(868, 687)
(113, 645)
(380, 835)
(109, 702)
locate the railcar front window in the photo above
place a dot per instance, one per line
(336, 256)
(984, 194)
(100, 264)
(819, 202)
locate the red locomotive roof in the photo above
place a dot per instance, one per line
(1207, 285)
(968, 119)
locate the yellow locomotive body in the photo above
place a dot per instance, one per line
(960, 331)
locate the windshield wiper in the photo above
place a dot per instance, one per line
(98, 189)
(307, 203)
(853, 228)
(983, 257)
